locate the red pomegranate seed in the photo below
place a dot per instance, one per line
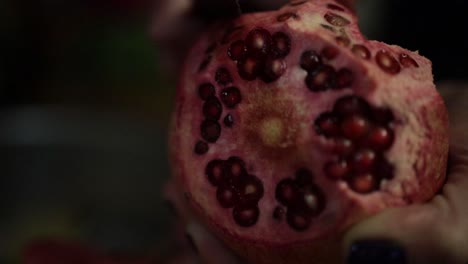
(330, 52)
(273, 70)
(336, 20)
(201, 148)
(407, 61)
(227, 196)
(281, 45)
(310, 60)
(361, 51)
(237, 50)
(235, 170)
(212, 109)
(380, 138)
(355, 127)
(298, 221)
(251, 190)
(313, 200)
(351, 105)
(287, 192)
(363, 160)
(343, 147)
(384, 170)
(382, 116)
(223, 76)
(286, 16)
(246, 216)
(249, 68)
(228, 120)
(387, 62)
(363, 183)
(322, 79)
(343, 41)
(336, 170)
(258, 42)
(215, 172)
(231, 97)
(206, 91)
(210, 130)
(327, 125)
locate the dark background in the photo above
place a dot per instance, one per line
(84, 106)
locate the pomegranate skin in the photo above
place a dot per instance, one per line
(263, 126)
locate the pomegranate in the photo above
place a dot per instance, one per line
(290, 126)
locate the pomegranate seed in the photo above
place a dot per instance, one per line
(330, 52)
(351, 105)
(231, 97)
(201, 148)
(258, 42)
(212, 109)
(298, 221)
(215, 172)
(361, 51)
(343, 147)
(313, 200)
(206, 91)
(343, 41)
(407, 61)
(273, 70)
(336, 170)
(336, 20)
(227, 196)
(278, 213)
(286, 192)
(235, 170)
(297, 2)
(286, 16)
(246, 216)
(380, 138)
(355, 127)
(249, 68)
(252, 190)
(237, 50)
(335, 7)
(363, 183)
(303, 177)
(327, 125)
(228, 120)
(363, 160)
(281, 45)
(322, 79)
(344, 78)
(310, 60)
(210, 130)
(223, 76)
(387, 62)
(204, 64)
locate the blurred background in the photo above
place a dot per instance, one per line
(84, 104)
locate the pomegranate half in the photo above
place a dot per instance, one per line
(290, 126)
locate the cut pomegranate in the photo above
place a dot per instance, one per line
(298, 127)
